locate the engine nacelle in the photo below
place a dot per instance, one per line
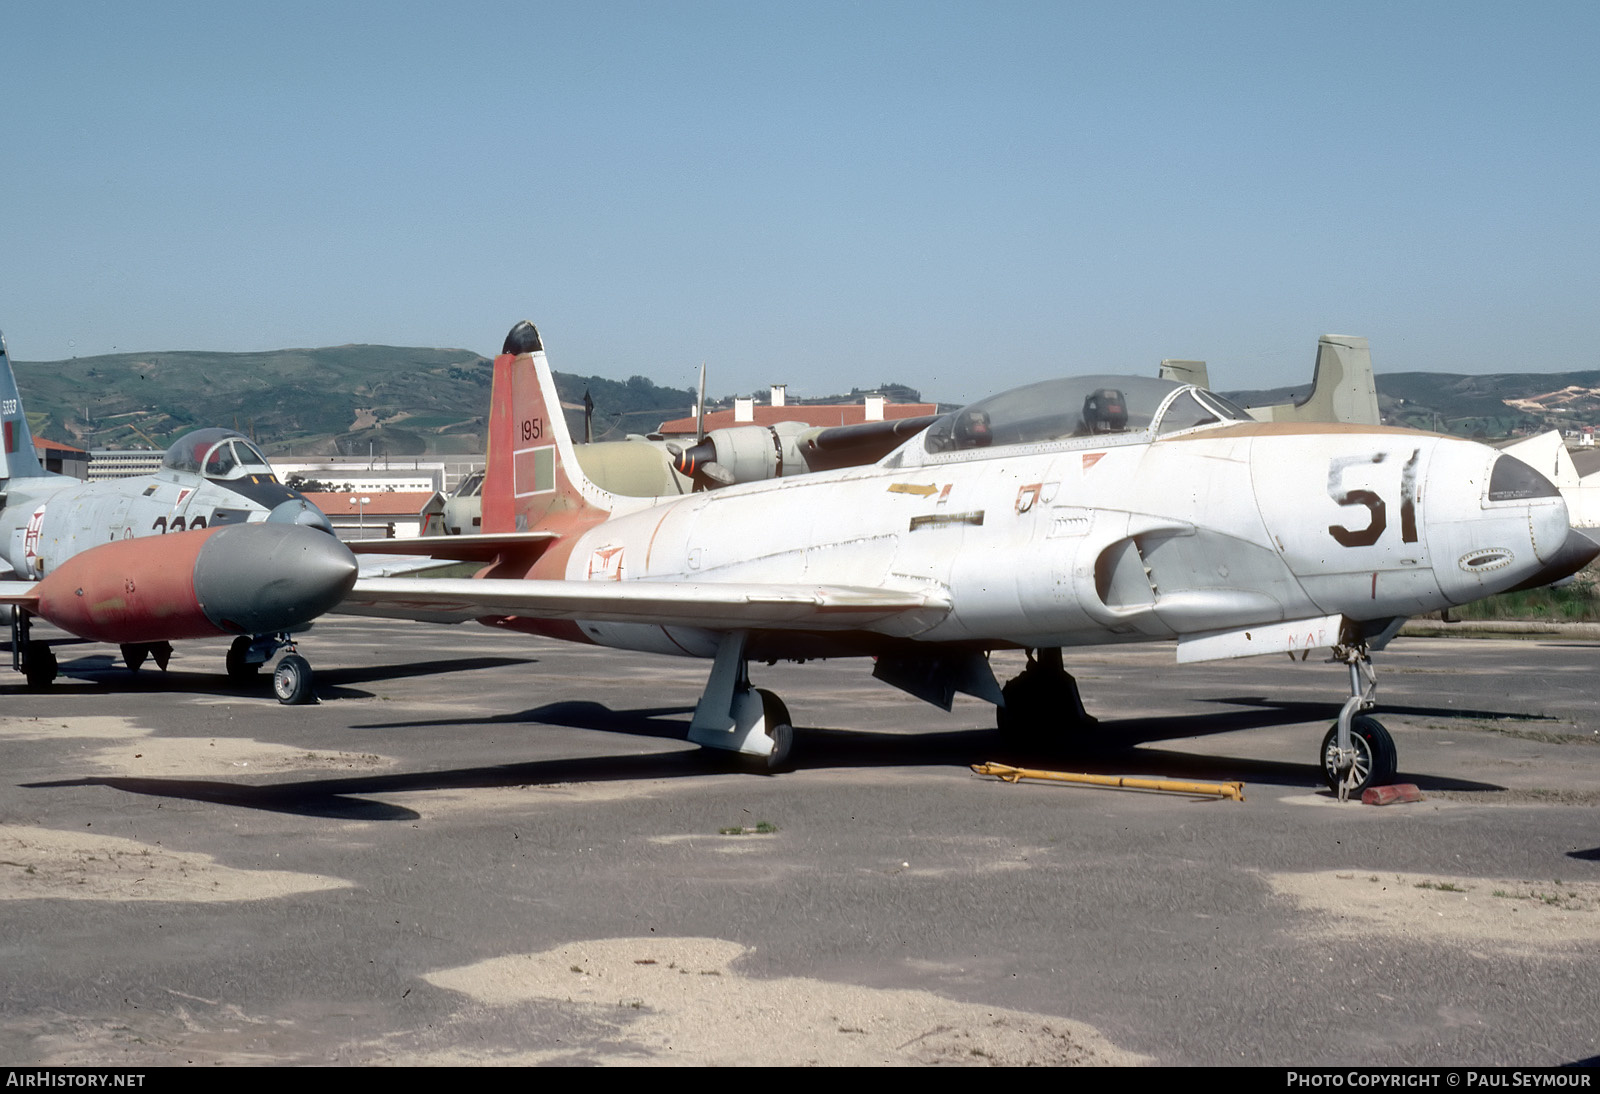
(750, 453)
(746, 453)
(755, 452)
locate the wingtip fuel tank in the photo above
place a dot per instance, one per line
(240, 579)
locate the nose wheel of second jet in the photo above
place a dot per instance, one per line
(291, 680)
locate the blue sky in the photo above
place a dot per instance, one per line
(958, 196)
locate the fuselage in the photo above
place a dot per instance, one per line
(211, 477)
(1167, 530)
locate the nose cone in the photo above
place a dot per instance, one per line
(1494, 523)
(269, 577)
(1578, 550)
(297, 510)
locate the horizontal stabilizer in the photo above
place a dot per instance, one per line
(712, 606)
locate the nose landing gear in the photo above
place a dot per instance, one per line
(291, 680)
(1358, 751)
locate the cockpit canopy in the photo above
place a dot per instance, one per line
(219, 454)
(1079, 406)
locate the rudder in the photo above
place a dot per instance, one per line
(533, 481)
(18, 460)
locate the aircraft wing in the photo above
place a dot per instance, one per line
(710, 605)
(478, 547)
(19, 594)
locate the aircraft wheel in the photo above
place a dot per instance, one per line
(38, 664)
(134, 654)
(238, 667)
(1377, 759)
(1009, 718)
(780, 730)
(291, 681)
(1028, 718)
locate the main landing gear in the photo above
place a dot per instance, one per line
(1358, 751)
(733, 716)
(1040, 702)
(291, 679)
(31, 657)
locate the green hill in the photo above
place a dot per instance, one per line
(404, 401)
(341, 399)
(1491, 406)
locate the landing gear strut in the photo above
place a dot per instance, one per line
(291, 680)
(1358, 751)
(240, 664)
(1041, 701)
(31, 657)
(736, 717)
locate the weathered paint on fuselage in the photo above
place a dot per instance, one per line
(1098, 539)
(49, 519)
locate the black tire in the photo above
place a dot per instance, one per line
(238, 667)
(780, 729)
(1039, 714)
(291, 681)
(1377, 759)
(39, 664)
(133, 655)
(1020, 715)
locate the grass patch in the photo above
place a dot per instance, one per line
(1557, 896)
(761, 828)
(1575, 602)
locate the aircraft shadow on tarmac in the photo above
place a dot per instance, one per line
(350, 798)
(1107, 750)
(1296, 712)
(577, 714)
(106, 673)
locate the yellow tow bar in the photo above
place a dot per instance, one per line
(1010, 774)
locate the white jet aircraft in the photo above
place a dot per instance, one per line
(1069, 512)
(211, 544)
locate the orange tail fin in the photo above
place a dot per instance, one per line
(533, 481)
